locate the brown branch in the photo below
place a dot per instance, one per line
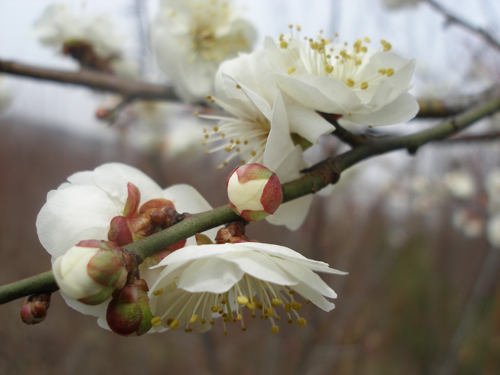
(493, 136)
(129, 89)
(432, 108)
(453, 19)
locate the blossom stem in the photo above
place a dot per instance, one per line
(315, 178)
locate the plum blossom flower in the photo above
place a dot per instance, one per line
(84, 207)
(201, 283)
(92, 40)
(460, 184)
(365, 85)
(265, 126)
(191, 39)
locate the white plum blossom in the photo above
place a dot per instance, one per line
(460, 184)
(364, 84)
(493, 230)
(200, 283)
(59, 27)
(191, 39)
(492, 186)
(265, 126)
(83, 208)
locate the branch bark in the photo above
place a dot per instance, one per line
(314, 179)
(129, 89)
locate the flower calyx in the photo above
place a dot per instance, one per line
(128, 313)
(92, 270)
(140, 222)
(254, 191)
(34, 308)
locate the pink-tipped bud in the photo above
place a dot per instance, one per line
(128, 312)
(34, 308)
(91, 271)
(254, 192)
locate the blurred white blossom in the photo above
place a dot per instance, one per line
(460, 184)
(191, 39)
(493, 230)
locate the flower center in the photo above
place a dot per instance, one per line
(321, 57)
(244, 135)
(249, 294)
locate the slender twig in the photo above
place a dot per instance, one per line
(343, 134)
(454, 19)
(129, 89)
(493, 136)
(315, 178)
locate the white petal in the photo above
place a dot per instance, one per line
(260, 266)
(186, 199)
(314, 297)
(292, 214)
(403, 109)
(279, 144)
(114, 177)
(72, 212)
(304, 121)
(213, 275)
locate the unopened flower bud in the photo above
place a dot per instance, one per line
(128, 312)
(34, 309)
(91, 271)
(254, 191)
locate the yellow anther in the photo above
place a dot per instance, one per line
(290, 26)
(203, 320)
(244, 329)
(283, 44)
(207, 152)
(206, 136)
(193, 319)
(237, 142)
(281, 37)
(215, 308)
(357, 63)
(221, 311)
(238, 318)
(251, 306)
(308, 302)
(275, 329)
(242, 300)
(222, 135)
(156, 321)
(278, 318)
(298, 27)
(291, 291)
(203, 143)
(224, 315)
(364, 49)
(228, 149)
(174, 324)
(328, 68)
(209, 97)
(169, 320)
(245, 143)
(188, 330)
(254, 315)
(212, 322)
(366, 39)
(276, 302)
(314, 45)
(157, 292)
(219, 168)
(296, 305)
(364, 85)
(196, 113)
(288, 307)
(382, 71)
(350, 82)
(390, 72)
(225, 333)
(343, 53)
(253, 153)
(358, 43)
(290, 321)
(216, 128)
(291, 70)
(238, 86)
(270, 312)
(301, 322)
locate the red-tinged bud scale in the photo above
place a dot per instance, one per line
(254, 191)
(34, 308)
(128, 312)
